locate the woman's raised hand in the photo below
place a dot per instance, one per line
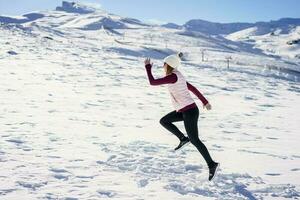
(147, 61)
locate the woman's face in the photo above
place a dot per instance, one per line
(165, 67)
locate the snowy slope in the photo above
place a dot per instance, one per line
(79, 119)
(281, 40)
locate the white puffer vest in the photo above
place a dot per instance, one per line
(179, 92)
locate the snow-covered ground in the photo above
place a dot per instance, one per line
(79, 119)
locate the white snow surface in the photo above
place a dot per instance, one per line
(79, 119)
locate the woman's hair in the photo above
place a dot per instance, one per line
(169, 69)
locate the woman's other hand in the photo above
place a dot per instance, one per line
(207, 106)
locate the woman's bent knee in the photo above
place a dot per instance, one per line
(162, 121)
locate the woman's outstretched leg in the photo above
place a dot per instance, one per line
(191, 125)
(190, 118)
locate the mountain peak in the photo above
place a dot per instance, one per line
(73, 7)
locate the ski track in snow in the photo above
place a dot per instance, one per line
(79, 121)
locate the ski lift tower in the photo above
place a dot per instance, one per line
(228, 58)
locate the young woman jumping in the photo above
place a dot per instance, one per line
(186, 109)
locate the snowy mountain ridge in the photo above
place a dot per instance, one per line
(215, 28)
(249, 35)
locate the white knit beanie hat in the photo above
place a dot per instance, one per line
(173, 60)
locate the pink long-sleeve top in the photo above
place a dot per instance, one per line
(172, 78)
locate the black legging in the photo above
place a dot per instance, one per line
(190, 119)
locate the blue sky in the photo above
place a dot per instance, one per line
(177, 11)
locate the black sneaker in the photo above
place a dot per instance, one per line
(213, 171)
(182, 143)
